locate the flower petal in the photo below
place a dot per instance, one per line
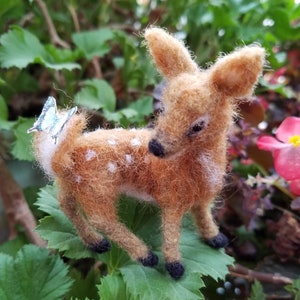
(269, 143)
(295, 187)
(287, 162)
(289, 127)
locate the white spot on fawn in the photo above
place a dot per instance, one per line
(129, 159)
(78, 178)
(111, 167)
(147, 160)
(112, 142)
(90, 154)
(136, 142)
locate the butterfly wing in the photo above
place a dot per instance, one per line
(60, 122)
(47, 118)
(50, 121)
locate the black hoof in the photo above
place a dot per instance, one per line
(219, 241)
(175, 269)
(100, 247)
(150, 261)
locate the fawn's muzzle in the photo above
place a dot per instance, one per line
(156, 148)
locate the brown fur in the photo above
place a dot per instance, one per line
(93, 168)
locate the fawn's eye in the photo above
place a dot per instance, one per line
(198, 126)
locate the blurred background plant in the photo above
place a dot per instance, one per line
(90, 53)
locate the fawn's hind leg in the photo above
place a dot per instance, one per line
(207, 227)
(102, 216)
(92, 239)
(171, 221)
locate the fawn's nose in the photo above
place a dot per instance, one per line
(156, 148)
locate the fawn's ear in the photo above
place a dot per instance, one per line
(169, 54)
(236, 74)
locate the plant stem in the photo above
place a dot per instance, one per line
(55, 39)
(16, 207)
(283, 189)
(243, 272)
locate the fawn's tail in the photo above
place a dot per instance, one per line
(55, 137)
(61, 160)
(54, 155)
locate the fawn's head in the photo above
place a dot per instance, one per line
(198, 104)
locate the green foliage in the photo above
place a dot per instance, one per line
(146, 283)
(294, 288)
(96, 94)
(123, 274)
(4, 123)
(214, 26)
(94, 42)
(21, 48)
(257, 291)
(13, 246)
(21, 148)
(135, 113)
(3, 109)
(113, 287)
(84, 286)
(34, 274)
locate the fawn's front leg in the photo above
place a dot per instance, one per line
(171, 221)
(206, 225)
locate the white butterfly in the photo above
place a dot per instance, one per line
(49, 120)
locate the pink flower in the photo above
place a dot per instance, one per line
(285, 150)
(295, 186)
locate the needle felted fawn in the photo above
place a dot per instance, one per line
(179, 165)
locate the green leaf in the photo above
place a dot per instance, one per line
(34, 274)
(112, 287)
(6, 7)
(84, 286)
(94, 42)
(115, 117)
(134, 114)
(11, 247)
(148, 284)
(3, 109)
(96, 94)
(294, 288)
(283, 28)
(8, 288)
(2, 82)
(4, 124)
(21, 48)
(144, 106)
(257, 291)
(129, 113)
(202, 259)
(137, 71)
(56, 66)
(62, 55)
(22, 149)
(278, 88)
